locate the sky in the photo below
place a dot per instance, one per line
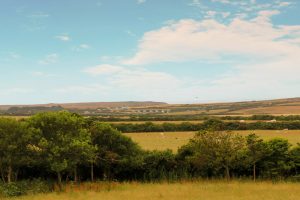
(176, 51)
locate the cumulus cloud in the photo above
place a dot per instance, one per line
(189, 39)
(266, 55)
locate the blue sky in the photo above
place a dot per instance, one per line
(177, 51)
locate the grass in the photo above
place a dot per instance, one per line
(179, 121)
(173, 140)
(209, 190)
(161, 141)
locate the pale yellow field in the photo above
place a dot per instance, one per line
(202, 190)
(179, 122)
(161, 141)
(173, 140)
(155, 122)
(15, 117)
(279, 110)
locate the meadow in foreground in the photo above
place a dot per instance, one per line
(211, 190)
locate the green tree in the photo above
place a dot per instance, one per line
(114, 150)
(217, 149)
(257, 149)
(295, 156)
(278, 163)
(63, 141)
(16, 147)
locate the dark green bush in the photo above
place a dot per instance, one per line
(24, 188)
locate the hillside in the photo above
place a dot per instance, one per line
(289, 106)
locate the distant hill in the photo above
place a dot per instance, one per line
(289, 106)
(84, 106)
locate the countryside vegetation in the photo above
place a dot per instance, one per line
(67, 153)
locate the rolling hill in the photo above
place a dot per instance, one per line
(289, 106)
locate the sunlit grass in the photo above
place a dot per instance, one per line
(207, 190)
(173, 140)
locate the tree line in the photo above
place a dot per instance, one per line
(63, 146)
(152, 117)
(216, 123)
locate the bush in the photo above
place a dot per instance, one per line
(24, 188)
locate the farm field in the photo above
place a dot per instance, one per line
(217, 190)
(275, 110)
(173, 140)
(179, 122)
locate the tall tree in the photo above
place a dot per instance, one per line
(278, 162)
(257, 149)
(217, 149)
(295, 156)
(114, 150)
(16, 147)
(63, 140)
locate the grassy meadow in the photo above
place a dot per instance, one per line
(173, 140)
(216, 190)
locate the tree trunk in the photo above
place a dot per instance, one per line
(227, 173)
(59, 181)
(75, 175)
(254, 172)
(92, 172)
(2, 175)
(9, 174)
(16, 175)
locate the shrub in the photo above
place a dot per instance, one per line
(24, 188)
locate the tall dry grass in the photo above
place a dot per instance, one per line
(206, 190)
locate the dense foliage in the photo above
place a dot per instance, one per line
(61, 146)
(216, 123)
(149, 117)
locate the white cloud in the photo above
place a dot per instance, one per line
(266, 14)
(266, 56)
(189, 39)
(136, 81)
(225, 14)
(141, 1)
(210, 14)
(49, 59)
(103, 69)
(283, 4)
(81, 47)
(221, 1)
(64, 38)
(38, 15)
(84, 46)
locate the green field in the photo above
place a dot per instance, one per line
(173, 140)
(216, 190)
